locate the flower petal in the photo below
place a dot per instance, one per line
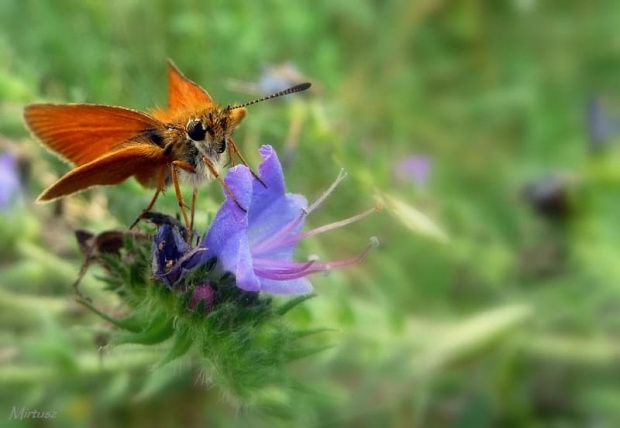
(270, 200)
(271, 208)
(270, 171)
(267, 231)
(244, 274)
(227, 238)
(293, 286)
(239, 180)
(231, 222)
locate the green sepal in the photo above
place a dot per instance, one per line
(293, 302)
(303, 353)
(125, 324)
(300, 334)
(183, 341)
(159, 330)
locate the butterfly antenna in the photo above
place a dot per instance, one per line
(297, 88)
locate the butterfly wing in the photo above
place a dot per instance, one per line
(81, 133)
(184, 97)
(113, 168)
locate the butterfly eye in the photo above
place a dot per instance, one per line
(222, 146)
(195, 130)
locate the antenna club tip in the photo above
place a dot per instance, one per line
(303, 86)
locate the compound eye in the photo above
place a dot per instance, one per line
(195, 130)
(221, 147)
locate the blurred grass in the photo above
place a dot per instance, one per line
(493, 92)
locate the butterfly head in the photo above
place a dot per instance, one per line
(210, 130)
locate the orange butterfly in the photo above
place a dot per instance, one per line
(184, 142)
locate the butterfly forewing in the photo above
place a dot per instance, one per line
(184, 96)
(81, 133)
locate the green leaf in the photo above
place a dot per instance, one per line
(413, 219)
(472, 336)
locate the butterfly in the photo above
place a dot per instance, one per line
(185, 142)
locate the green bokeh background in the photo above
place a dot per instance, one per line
(514, 322)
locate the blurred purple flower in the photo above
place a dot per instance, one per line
(257, 246)
(276, 78)
(10, 186)
(416, 168)
(601, 126)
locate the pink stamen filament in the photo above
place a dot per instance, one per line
(296, 270)
(316, 231)
(280, 276)
(302, 270)
(278, 264)
(321, 267)
(280, 267)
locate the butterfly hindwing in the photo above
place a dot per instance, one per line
(110, 169)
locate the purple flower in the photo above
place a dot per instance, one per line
(171, 254)
(414, 168)
(257, 246)
(275, 78)
(10, 186)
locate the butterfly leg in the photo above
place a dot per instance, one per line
(177, 190)
(231, 153)
(161, 180)
(83, 269)
(194, 194)
(217, 175)
(235, 149)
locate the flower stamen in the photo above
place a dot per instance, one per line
(328, 227)
(268, 244)
(318, 202)
(322, 267)
(296, 270)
